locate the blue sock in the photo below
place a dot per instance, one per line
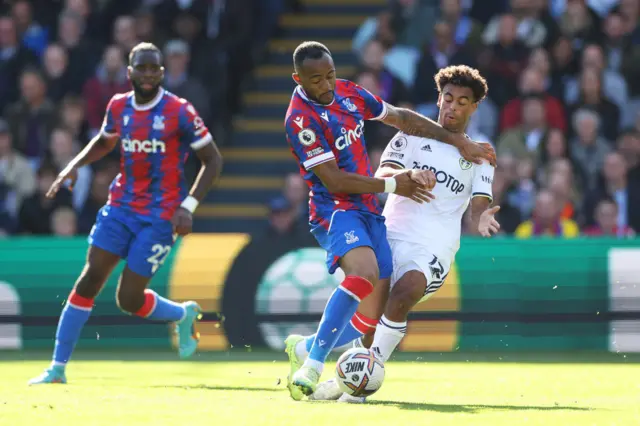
(341, 306)
(349, 334)
(158, 308)
(72, 319)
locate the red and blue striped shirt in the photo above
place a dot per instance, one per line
(319, 133)
(155, 140)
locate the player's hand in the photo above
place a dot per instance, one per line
(476, 152)
(488, 223)
(407, 187)
(424, 177)
(182, 221)
(67, 177)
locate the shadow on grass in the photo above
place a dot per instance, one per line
(470, 408)
(222, 388)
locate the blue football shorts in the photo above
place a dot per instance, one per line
(349, 229)
(144, 241)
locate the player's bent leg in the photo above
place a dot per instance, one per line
(100, 263)
(133, 297)
(362, 324)
(361, 270)
(405, 294)
(150, 248)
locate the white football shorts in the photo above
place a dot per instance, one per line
(409, 256)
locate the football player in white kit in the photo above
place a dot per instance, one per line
(425, 237)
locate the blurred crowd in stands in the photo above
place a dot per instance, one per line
(563, 110)
(62, 60)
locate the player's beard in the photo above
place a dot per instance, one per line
(145, 95)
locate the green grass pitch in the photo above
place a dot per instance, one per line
(236, 389)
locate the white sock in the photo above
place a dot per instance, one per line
(388, 336)
(316, 365)
(301, 349)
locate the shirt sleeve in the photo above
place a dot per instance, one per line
(306, 138)
(482, 183)
(399, 151)
(108, 128)
(374, 107)
(193, 129)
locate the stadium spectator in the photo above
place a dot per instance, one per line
(36, 211)
(525, 140)
(546, 220)
(390, 88)
(509, 216)
(613, 86)
(62, 149)
(32, 118)
(64, 222)
(563, 191)
(110, 78)
(98, 196)
(532, 82)
(14, 58)
(591, 97)
(34, 36)
(72, 116)
(588, 149)
(296, 193)
(124, 33)
(17, 179)
(441, 53)
(55, 69)
(283, 218)
(178, 81)
(616, 186)
(503, 59)
(83, 51)
(554, 147)
(466, 30)
(629, 146)
(606, 218)
(530, 31)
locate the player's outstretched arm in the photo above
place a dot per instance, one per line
(483, 218)
(97, 148)
(210, 169)
(412, 123)
(340, 182)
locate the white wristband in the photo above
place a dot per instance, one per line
(190, 203)
(390, 184)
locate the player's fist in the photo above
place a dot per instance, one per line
(66, 177)
(182, 221)
(407, 187)
(488, 223)
(424, 177)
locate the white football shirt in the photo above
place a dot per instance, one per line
(437, 224)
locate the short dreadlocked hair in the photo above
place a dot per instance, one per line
(463, 76)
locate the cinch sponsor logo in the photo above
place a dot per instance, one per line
(349, 136)
(147, 146)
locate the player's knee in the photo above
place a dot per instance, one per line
(366, 271)
(91, 281)
(129, 301)
(406, 293)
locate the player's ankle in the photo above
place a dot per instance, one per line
(301, 349)
(59, 366)
(318, 366)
